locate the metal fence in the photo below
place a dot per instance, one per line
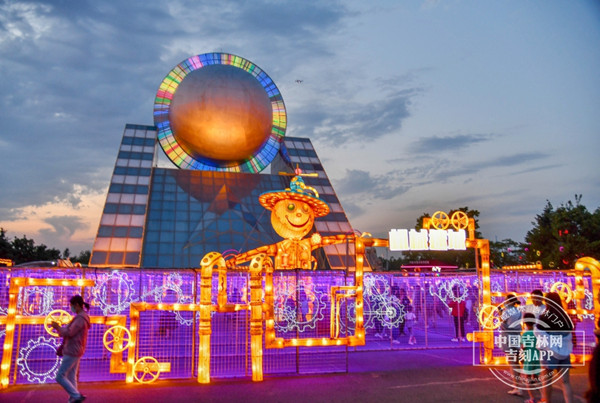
(301, 306)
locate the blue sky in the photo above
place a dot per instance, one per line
(412, 106)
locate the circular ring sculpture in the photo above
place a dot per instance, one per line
(219, 112)
(563, 289)
(146, 370)
(489, 317)
(116, 339)
(57, 315)
(440, 220)
(459, 220)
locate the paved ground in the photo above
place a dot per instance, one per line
(442, 375)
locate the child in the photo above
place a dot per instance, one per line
(530, 354)
(410, 322)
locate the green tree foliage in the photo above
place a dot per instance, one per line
(507, 253)
(561, 236)
(83, 257)
(22, 250)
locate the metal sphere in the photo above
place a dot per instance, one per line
(221, 113)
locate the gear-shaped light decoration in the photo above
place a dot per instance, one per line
(461, 286)
(42, 372)
(445, 291)
(376, 285)
(40, 308)
(113, 292)
(146, 370)
(288, 319)
(564, 290)
(368, 314)
(393, 313)
(173, 283)
(440, 220)
(459, 220)
(59, 316)
(116, 339)
(380, 304)
(489, 317)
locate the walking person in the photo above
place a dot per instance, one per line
(593, 393)
(457, 310)
(557, 323)
(74, 341)
(410, 324)
(510, 328)
(530, 354)
(400, 293)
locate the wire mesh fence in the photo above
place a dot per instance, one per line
(401, 311)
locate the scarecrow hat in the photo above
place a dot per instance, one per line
(297, 191)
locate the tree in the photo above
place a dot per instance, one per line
(507, 253)
(22, 250)
(560, 236)
(6, 251)
(83, 257)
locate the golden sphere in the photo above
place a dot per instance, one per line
(221, 113)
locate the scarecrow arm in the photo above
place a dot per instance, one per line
(269, 250)
(328, 240)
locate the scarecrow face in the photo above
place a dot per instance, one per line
(292, 219)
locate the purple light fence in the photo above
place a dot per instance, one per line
(301, 310)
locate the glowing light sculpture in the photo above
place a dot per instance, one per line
(209, 99)
(292, 216)
(37, 375)
(11, 319)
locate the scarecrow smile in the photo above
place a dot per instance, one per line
(297, 225)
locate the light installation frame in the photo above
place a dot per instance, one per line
(12, 319)
(584, 267)
(164, 96)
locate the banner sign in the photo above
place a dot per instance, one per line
(433, 239)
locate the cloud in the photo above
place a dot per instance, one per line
(508, 160)
(62, 226)
(345, 122)
(539, 168)
(456, 168)
(353, 209)
(357, 182)
(435, 144)
(77, 73)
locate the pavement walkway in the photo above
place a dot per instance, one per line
(433, 375)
